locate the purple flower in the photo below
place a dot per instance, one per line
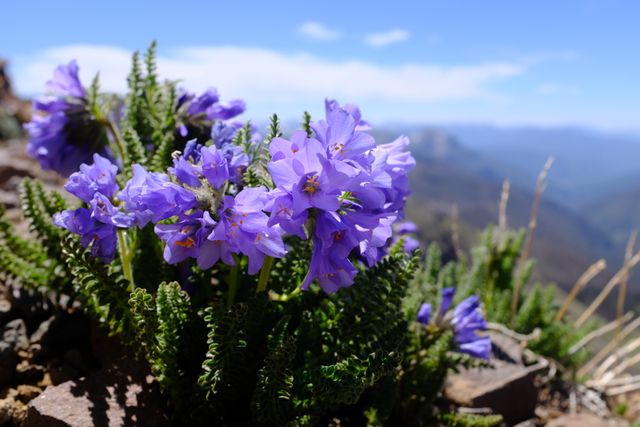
(103, 210)
(241, 228)
(237, 160)
(95, 184)
(353, 189)
(410, 244)
(405, 227)
(226, 112)
(424, 314)
(447, 300)
(63, 133)
(403, 230)
(201, 103)
(98, 177)
(397, 164)
(198, 113)
(101, 238)
(151, 196)
(304, 172)
(223, 133)
(353, 110)
(339, 133)
(186, 172)
(244, 227)
(215, 167)
(66, 82)
(187, 238)
(330, 265)
(280, 205)
(465, 321)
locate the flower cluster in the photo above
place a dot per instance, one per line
(331, 183)
(205, 223)
(63, 133)
(465, 320)
(97, 225)
(349, 189)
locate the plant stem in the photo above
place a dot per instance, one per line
(233, 283)
(117, 138)
(264, 274)
(286, 297)
(126, 256)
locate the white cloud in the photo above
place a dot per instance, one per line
(557, 89)
(317, 31)
(387, 38)
(271, 81)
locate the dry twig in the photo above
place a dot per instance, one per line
(582, 281)
(613, 282)
(533, 222)
(604, 329)
(504, 199)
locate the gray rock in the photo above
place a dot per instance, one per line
(15, 334)
(122, 395)
(39, 334)
(509, 390)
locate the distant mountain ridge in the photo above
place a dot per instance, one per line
(588, 164)
(451, 171)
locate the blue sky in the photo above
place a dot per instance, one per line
(501, 62)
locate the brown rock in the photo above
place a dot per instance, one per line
(509, 390)
(123, 395)
(27, 393)
(12, 410)
(582, 420)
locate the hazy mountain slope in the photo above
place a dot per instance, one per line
(447, 174)
(616, 214)
(588, 165)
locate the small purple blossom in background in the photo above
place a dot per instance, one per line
(405, 227)
(95, 184)
(63, 134)
(406, 230)
(197, 113)
(465, 321)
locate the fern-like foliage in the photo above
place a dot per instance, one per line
(38, 208)
(257, 174)
(469, 420)
(104, 293)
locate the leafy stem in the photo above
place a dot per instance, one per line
(233, 281)
(264, 274)
(116, 138)
(126, 256)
